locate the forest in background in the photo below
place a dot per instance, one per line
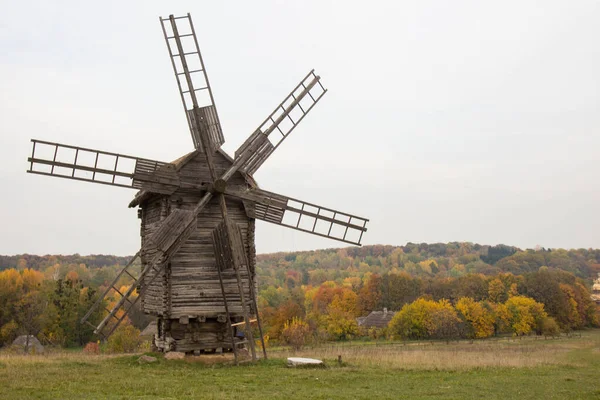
(439, 290)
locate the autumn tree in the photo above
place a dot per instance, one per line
(341, 316)
(424, 319)
(275, 318)
(11, 288)
(525, 315)
(444, 322)
(479, 320)
(296, 333)
(497, 292)
(398, 289)
(370, 295)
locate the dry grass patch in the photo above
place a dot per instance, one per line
(54, 357)
(453, 356)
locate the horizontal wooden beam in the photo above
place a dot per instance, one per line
(243, 322)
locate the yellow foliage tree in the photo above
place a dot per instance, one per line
(480, 321)
(32, 279)
(501, 318)
(424, 318)
(526, 315)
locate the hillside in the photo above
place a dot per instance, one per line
(436, 259)
(422, 260)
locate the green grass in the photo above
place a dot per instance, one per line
(567, 368)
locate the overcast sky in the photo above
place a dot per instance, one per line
(445, 121)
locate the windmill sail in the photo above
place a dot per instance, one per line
(164, 243)
(281, 122)
(83, 164)
(192, 81)
(230, 254)
(303, 216)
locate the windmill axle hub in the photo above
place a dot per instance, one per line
(220, 186)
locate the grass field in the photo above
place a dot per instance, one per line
(566, 368)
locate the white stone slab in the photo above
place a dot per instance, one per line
(297, 361)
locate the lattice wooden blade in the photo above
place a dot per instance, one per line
(127, 271)
(127, 299)
(194, 88)
(229, 246)
(90, 165)
(165, 242)
(303, 216)
(282, 121)
(230, 253)
(170, 229)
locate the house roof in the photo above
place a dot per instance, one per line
(377, 319)
(144, 195)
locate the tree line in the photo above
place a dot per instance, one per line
(322, 293)
(469, 306)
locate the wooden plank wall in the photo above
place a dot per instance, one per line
(192, 277)
(154, 301)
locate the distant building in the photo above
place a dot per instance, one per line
(596, 290)
(29, 344)
(376, 319)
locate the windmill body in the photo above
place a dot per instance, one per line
(198, 213)
(186, 295)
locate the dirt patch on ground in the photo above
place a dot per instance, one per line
(211, 359)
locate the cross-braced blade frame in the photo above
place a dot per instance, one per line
(230, 254)
(194, 89)
(282, 121)
(165, 242)
(97, 166)
(303, 216)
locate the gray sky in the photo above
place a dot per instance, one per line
(444, 121)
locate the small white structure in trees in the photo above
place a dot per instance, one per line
(29, 344)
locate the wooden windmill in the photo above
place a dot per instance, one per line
(198, 212)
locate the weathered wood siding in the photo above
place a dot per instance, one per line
(154, 299)
(190, 286)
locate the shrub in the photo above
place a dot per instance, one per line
(550, 327)
(265, 339)
(8, 332)
(92, 348)
(295, 333)
(125, 339)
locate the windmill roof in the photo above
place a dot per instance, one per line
(179, 163)
(377, 319)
